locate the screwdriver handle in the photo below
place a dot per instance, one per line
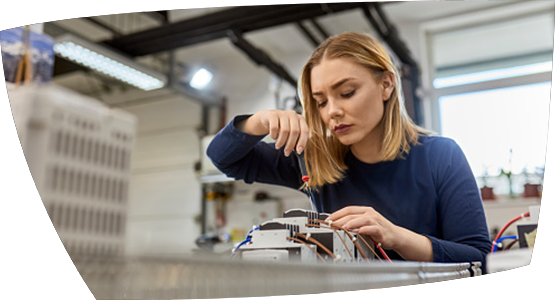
(302, 165)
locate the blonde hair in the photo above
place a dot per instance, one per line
(324, 154)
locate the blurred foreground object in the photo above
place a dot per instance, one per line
(199, 277)
(79, 152)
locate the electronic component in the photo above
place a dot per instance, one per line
(539, 229)
(304, 235)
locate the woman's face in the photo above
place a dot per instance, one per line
(350, 100)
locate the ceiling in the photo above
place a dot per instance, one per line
(235, 74)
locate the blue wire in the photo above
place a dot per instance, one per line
(238, 246)
(256, 228)
(514, 237)
(247, 239)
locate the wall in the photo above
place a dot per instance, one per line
(164, 191)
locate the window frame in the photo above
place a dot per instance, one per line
(430, 103)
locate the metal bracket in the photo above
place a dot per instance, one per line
(387, 31)
(259, 56)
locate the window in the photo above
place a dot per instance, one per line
(489, 84)
(491, 124)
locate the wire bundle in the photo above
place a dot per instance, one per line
(348, 232)
(498, 237)
(246, 241)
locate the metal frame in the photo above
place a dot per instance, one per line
(488, 16)
(259, 57)
(161, 12)
(389, 34)
(215, 25)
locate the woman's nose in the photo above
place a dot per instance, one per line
(335, 109)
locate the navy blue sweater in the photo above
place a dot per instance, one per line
(431, 191)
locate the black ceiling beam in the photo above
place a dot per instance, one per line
(308, 35)
(160, 10)
(388, 32)
(260, 57)
(215, 25)
(411, 74)
(320, 29)
(112, 30)
(63, 66)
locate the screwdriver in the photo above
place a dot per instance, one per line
(305, 178)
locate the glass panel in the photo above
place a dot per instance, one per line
(489, 125)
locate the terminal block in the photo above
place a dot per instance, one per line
(539, 229)
(304, 235)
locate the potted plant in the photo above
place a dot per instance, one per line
(486, 191)
(532, 190)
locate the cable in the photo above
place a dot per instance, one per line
(526, 214)
(358, 247)
(339, 235)
(510, 245)
(317, 243)
(501, 239)
(306, 244)
(255, 228)
(247, 239)
(238, 246)
(379, 248)
(350, 237)
(354, 242)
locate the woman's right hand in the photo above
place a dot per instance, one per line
(288, 128)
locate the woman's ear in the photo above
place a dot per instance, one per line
(388, 84)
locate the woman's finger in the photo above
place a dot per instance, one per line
(283, 134)
(375, 233)
(349, 210)
(303, 136)
(344, 220)
(272, 121)
(294, 132)
(358, 222)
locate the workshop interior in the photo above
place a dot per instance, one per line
(115, 112)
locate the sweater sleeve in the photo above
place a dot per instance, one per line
(246, 157)
(462, 223)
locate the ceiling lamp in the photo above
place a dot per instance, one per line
(107, 62)
(201, 79)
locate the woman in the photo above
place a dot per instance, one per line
(371, 166)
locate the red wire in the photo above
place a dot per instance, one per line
(526, 214)
(381, 250)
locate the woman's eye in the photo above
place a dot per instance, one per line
(321, 104)
(349, 94)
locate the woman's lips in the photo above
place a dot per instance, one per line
(342, 128)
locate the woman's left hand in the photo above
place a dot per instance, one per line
(366, 220)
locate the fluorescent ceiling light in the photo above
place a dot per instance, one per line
(49, 4)
(492, 75)
(108, 62)
(201, 79)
